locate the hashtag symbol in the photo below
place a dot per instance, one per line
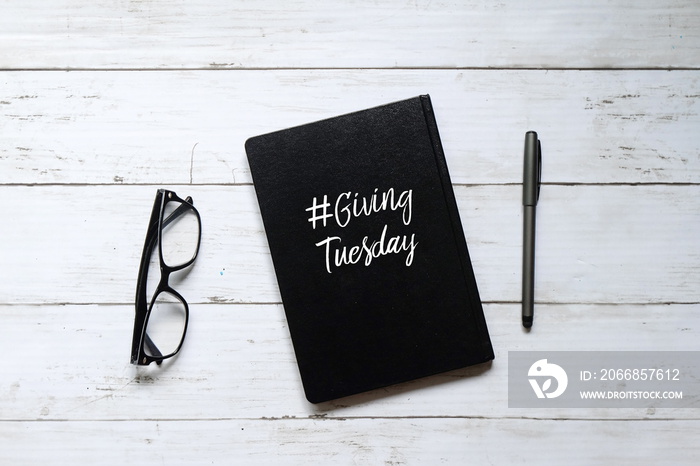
(315, 208)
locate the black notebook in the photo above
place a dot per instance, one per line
(368, 249)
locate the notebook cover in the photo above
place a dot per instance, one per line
(368, 248)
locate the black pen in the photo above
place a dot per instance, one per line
(532, 173)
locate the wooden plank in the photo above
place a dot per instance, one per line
(362, 441)
(181, 127)
(596, 244)
(70, 363)
(352, 441)
(216, 34)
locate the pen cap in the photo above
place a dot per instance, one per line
(531, 169)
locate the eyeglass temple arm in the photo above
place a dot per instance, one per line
(169, 219)
(153, 348)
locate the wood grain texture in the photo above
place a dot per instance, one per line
(352, 442)
(103, 102)
(181, 127)
(217, 34)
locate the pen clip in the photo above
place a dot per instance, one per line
(539, 168)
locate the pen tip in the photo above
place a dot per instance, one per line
(527, 321)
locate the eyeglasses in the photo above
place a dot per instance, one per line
(161, 323)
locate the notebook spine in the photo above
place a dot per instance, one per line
(457, 229)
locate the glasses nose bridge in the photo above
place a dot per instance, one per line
(164, 283)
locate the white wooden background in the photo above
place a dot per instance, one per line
(102, 102)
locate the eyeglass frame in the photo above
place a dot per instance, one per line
(143, 308)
